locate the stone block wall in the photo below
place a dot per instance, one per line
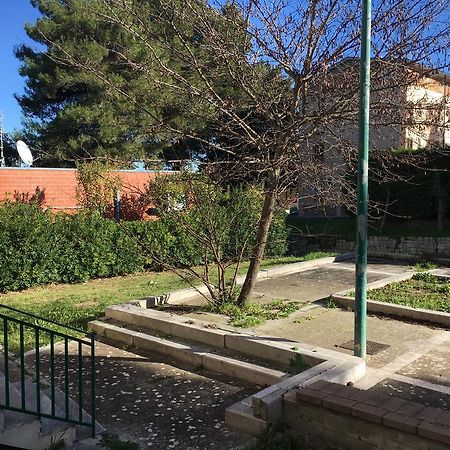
(413, 247)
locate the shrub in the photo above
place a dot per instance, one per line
(208, 224)
(37, 247)
(97, 185)
(27, 247)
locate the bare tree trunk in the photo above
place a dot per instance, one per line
(261, 240)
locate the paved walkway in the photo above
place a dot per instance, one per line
(158, 403)
(413, 366)
(162, 404)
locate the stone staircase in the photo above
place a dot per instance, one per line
(188, 341)
(28, 431)
(264, 361)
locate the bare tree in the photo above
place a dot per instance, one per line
(276, 82)
(215, 226)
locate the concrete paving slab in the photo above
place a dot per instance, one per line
(327, 328)
(309, 285)
(409, 392)
(416, 357)
(159, 403)
(315, 283)
(382, 265)
(432, 368)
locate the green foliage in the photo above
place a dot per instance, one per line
(422, 291)
(297, 362)
(279, 260)
(57, 443)
(113, 442)
(421, 182)
(423, 266)
(277, 241)
(37, 247)
(330, 303)
(339, 226)
(278, 437)
(255, 314)
(97, 89)
(203, 223)
(96, 186)
(76, 304)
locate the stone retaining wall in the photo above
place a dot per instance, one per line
(413, 247)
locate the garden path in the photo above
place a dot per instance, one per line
(413, 366)
(158, 403)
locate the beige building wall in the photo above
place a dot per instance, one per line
(412, 117)
(428, 121)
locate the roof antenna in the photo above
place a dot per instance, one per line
(24, 153)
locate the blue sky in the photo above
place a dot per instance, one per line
(15, 13)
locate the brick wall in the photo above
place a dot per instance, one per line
(356, 419)
(59, 185)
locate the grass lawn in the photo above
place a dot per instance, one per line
(77, 304)
(422, 291)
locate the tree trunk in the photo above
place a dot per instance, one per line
(261, 240)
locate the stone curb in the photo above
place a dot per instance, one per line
(191, 354)
(419, 314)
(285, 269)
(282, 351)
(266, 406)
(406, 312)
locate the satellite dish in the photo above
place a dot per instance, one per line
(24, 153)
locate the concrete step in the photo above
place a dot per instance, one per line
(88, 444)
(82, 432)
(31, 396)
(167, 324)
(283, 352)
(217, 360)
(49, 428)
(240, 416)
(12, 419)
(27, 430)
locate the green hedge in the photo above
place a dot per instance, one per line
(38, 247)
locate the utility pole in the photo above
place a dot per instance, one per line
(363, 188)
(2, 156)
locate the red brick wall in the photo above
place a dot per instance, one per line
(59, 185)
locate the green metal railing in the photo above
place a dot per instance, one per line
(85, 353)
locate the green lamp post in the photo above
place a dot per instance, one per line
(363, 179)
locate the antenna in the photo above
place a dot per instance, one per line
(24, 153)
(2, 156)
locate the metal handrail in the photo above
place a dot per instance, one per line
(27, 313)
(66, 337)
